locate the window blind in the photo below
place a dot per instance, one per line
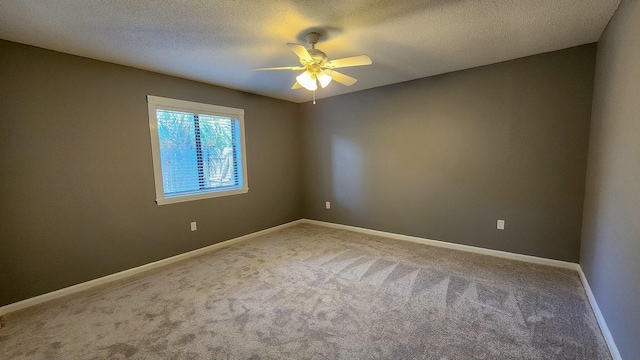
(198, 152)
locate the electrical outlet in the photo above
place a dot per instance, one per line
(327, 205)
(500, 224)
(194, 227)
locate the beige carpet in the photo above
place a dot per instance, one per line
(309, 292)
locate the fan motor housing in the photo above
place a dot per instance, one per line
(318, 56)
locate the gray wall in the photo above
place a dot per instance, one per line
(610, 256)
(77, 189)
(446, 156)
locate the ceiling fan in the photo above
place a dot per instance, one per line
(317, 68)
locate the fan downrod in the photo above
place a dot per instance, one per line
(313, 38)
(319, 57)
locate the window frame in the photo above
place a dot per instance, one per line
(157, 102)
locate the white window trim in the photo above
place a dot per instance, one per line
(188, 106)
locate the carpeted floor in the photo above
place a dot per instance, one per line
(310, 292)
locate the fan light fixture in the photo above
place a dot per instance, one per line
(308, 81)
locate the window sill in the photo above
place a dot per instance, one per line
(209, 195)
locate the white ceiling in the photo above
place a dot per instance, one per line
(219, 42)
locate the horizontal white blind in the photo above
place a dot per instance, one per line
(198, 152)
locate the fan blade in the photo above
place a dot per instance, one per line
(281, 68)
(302, 53)
(350, 61)
(341, 78)
(296, 86)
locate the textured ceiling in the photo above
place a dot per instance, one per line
(219, 42)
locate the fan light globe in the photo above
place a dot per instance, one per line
(324, 80)
(308, 81)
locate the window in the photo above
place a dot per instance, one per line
(198, 150)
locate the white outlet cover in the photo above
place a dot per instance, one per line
(500, 224)
(194, 227)
(327, 205)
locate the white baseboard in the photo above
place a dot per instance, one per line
(448, 245)
(613, 349)
(134, 271)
